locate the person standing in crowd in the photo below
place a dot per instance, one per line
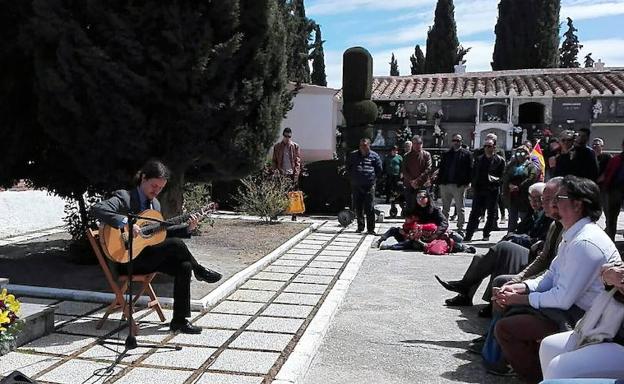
(454, 178)
(392, 170)
(486, 178)
(363, 167)
(407, 147)
(563, 161)
(583, 158)
(287, 159)
(501, 203)
(416, 170)
(171, 256)
(551, 151)
(557, 299)
(603, 159)
(519, 175)
(613, 183)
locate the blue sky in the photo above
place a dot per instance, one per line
(387, 26)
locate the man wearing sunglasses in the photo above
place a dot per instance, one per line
(454, 177)
(486, 177)
(287, 159)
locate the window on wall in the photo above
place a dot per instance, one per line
(459, 111)
(494, 110)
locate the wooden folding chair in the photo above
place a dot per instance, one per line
(119, 286)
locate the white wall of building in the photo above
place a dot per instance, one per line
(313, 120)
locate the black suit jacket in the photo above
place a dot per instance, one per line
(113, 211)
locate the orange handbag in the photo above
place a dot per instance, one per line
(295, 203)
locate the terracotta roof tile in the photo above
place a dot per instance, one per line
(527, 82)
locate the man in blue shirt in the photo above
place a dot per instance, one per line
(363, 167)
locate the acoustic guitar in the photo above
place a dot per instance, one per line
(115, 243)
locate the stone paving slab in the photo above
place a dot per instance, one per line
(251, 295)
(264, 341)
(245, 361)
(27, 363)
(76, 308)
(280, 269)
(263, 285)
(209, 337)
(290, 256)
(79, 371)
(302, 251)
(218, 320)
(86, 326)
(337, 259)
(313, 279)
(319, 271)
(305, 288)
(154, 375)
(326, 264)
(297, 298)
(238, 307)
(273, 276)
(187, 357)
(288, 310)
(59, 344)
(290, 263)
(275, 324)
(219, 378)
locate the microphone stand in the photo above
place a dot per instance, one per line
(131, 342)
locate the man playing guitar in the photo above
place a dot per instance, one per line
(171, 256)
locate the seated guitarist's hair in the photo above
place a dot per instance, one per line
(153, 169)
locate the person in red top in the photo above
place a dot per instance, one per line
(612, 181)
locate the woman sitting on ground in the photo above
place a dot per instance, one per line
(424, 224)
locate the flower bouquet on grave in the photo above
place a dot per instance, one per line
(10, 324)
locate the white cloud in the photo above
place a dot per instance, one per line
(332, 7)
(591, 11)
(610, 51)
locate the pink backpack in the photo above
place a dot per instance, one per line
(440, 246)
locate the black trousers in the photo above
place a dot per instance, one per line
(482, 201)
(501, 259)
(363, 197)
(173, 258)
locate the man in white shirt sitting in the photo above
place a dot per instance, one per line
(556, 300)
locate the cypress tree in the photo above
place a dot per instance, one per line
(394, 66)
(589, 62)
(301, 28)
(318, 76)
(103, 86)
(418, 61)
(527, 34)
(568, 53)
(442, 40)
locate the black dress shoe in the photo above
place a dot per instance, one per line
(184, 327)
(207, 275)
(359, 230)
(476, 347)
(459, 301)
(453, 286)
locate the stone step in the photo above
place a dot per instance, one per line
(3, 282)
(39, 321)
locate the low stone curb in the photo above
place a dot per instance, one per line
(299, 361)
(212, 298)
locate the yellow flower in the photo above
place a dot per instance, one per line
(13, 304)
(4, 318)
(3, 295)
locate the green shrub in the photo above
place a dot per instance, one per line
(264, 195)
(196, 196)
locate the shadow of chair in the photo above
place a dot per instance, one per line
(119, 285)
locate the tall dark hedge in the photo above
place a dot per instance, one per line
(358, 109)
(92, 89)
(394, 66)
(568, 53)
(318, 76)
(418, 61)
(527, 34)
(442, 40)
(300, 28)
